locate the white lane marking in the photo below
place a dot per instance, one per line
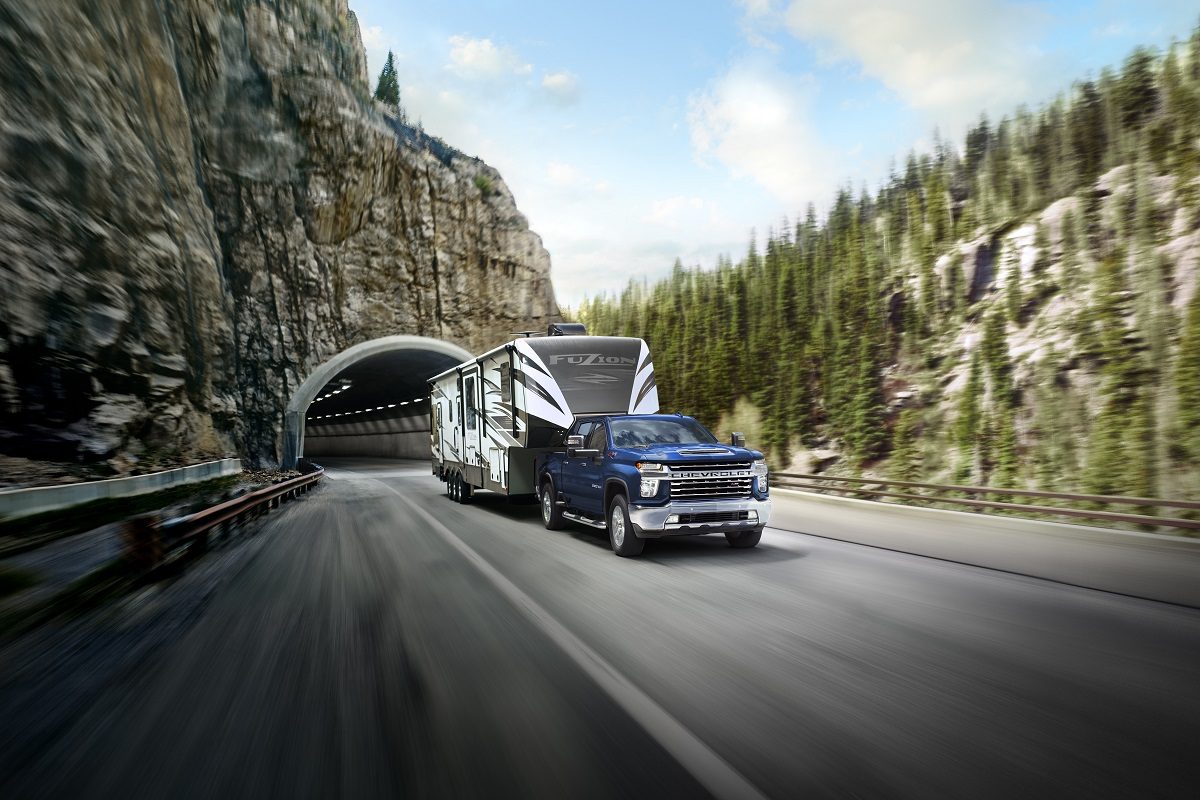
(713, 772)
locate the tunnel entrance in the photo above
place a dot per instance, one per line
(369, 400)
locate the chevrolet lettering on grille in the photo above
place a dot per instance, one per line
(696, 475)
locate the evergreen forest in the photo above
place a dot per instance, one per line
(1018, 309)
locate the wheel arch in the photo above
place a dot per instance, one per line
(612, 488)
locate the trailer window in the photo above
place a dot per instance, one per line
(505, 384)
(469, 391)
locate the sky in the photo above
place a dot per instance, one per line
(636, 133)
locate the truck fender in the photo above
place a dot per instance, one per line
(614, 486)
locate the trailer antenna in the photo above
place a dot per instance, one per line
(527, 334)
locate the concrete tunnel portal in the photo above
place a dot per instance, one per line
(368, 400)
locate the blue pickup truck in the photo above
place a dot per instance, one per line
(645, 476)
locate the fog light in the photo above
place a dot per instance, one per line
(751, 515)
(672, 519)
(649, 487)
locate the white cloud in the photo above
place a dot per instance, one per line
(562, 88)
(677, 211)
(561, 174)
(483, 59)
(754, 120)
(951, 60)
(756, 8)
(373, 38)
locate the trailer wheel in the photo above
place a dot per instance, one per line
(452, 486)
(620, 530)
(552, 516)
(745, 538)
(464, 491)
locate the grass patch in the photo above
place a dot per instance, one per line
(25, 533)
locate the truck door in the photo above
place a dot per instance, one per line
(573, 487)
(591, 473)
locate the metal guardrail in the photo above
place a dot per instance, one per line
(820, 483)
(149, 541)
(15, 503)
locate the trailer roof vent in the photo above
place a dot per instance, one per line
(566, 329)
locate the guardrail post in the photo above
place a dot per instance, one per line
(142, 540)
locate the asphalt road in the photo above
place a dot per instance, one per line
(379, 640)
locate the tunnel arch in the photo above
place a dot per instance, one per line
(302, 398)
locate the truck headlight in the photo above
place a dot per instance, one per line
(759, 470)
(649, 487)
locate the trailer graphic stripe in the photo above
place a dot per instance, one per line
(650, 384)
(531, 386)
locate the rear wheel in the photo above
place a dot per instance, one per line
(744, 538)
(620, 530)
(452, 486)
(465, 490)
(551, 514)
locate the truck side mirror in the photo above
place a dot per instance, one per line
(575, 448)
(738, 439)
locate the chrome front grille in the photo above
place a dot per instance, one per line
(703, 481)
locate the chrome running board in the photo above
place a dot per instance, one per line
(592, 523)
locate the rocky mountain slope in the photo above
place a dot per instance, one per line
(1019, 309)
(199, 202)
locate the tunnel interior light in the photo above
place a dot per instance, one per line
(391, 405)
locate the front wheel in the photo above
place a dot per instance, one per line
(744, 538)
(620, 530)
(552, 516)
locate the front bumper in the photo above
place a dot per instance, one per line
(650, 522)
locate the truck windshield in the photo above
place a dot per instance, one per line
(630, 432)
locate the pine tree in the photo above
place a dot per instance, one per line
(968, 425)
(905, 463)
(1187, 379)
(387, 91)
(995, 355)
(1006, 449)
(1013, 299)
(866, 435)
(1137, 92)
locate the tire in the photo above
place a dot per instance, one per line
(465, 491)
(744, 539)
(552, 516)
(620, 530)
(450, 485)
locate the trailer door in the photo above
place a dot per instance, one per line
(472, 424)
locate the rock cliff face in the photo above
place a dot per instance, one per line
(199, 202)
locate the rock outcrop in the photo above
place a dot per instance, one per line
(199, 202)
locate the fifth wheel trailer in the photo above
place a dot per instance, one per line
(491, 416)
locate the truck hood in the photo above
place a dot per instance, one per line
(689, 453)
